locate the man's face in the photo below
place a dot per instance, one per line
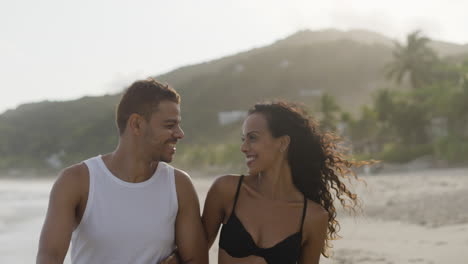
(163, 131)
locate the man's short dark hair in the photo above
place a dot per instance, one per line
(143, 98)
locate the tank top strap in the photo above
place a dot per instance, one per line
(237, 193)
(304, 210)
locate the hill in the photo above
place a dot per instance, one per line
(301, 67)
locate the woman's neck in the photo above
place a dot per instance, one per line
(276, 183)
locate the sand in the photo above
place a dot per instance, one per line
(417, 218)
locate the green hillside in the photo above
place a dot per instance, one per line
(348, 70)
(347, 65)
(34, 132)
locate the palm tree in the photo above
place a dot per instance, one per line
(415, 58)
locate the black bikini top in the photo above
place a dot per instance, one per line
(238, 243)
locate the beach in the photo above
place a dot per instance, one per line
(412, 217)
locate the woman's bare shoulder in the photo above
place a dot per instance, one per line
(225, 183)
(223, 190)
(315, 214)
(314, 232)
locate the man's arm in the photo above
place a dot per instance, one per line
(221, 192)
(190, 237)
(61, 215)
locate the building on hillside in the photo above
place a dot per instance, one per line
(311, 92)
(226, 118)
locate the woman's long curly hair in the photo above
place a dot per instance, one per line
(317, 160)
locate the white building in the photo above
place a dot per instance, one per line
(226, 118)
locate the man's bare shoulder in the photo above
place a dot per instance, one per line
(182, 179)
(183, 184)
(79, 170)
(182, 175)
(74, 179)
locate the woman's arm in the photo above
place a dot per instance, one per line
(315, 233)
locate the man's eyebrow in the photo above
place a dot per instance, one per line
(172, 120)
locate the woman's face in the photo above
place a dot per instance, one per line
(261, 149)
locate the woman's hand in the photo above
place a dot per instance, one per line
(171, 259)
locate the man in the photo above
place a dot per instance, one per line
(128, 206)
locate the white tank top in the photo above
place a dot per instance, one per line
(126, 222)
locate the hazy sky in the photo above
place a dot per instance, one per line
(60, 49)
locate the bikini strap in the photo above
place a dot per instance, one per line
(304, 213)
(237, 193)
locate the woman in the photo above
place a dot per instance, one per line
(282, 212)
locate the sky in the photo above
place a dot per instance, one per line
(63, 50)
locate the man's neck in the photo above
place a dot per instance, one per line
(128, 165)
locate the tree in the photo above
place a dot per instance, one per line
(384, 104)
(415, 58)
(329, 109)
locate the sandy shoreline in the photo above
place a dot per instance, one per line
(419, 217)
